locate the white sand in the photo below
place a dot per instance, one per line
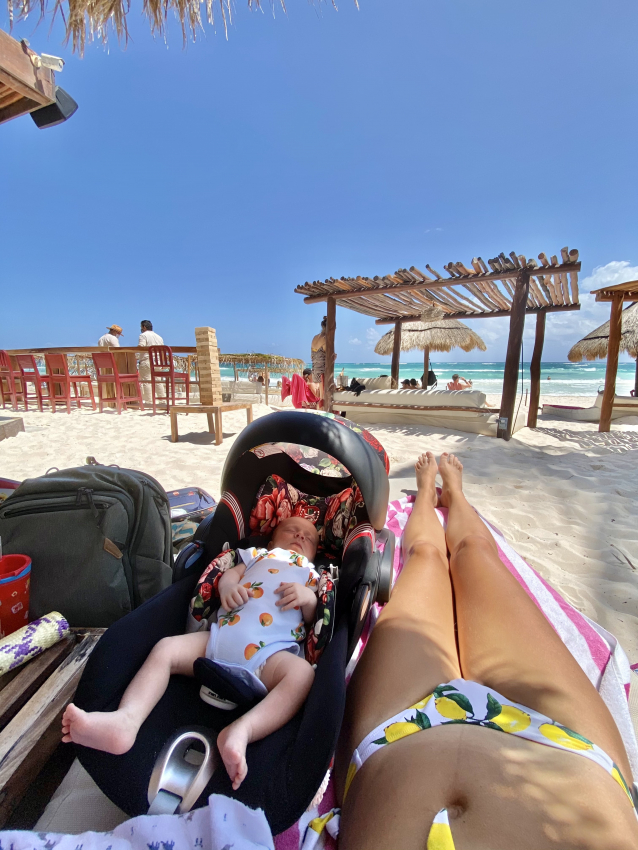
(563, 495)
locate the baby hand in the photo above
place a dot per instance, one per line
(294, 595)
(234, 596)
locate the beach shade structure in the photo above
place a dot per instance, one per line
(594, 346)
(618, 295)
(506, 286)
(436, 335)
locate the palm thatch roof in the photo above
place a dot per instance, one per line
(277, 362)
(594, 345)
(437, 335)
(96, 19)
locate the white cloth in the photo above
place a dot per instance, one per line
(244, 639)
(108, 339)
(223, 823)
(148, 338)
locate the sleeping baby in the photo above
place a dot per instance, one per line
(266, 601)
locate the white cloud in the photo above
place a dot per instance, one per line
(434, 230)
(372, 336)
(355, 341)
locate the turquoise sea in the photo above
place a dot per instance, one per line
(564, 378)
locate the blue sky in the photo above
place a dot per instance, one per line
(200, 186)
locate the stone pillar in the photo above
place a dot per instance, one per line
(210, 379)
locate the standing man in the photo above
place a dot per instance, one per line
(149, 337)
(110, 338)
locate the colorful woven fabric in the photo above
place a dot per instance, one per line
(31, 640)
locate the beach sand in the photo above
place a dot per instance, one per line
(562, 494)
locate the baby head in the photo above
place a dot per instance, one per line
(296, 534)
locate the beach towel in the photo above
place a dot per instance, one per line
(596, 650)
(302, 396)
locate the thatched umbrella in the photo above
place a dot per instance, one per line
(594, 345)
(435, 335)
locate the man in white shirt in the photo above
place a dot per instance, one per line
(111, 338)
(149, 337)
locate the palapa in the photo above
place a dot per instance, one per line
(594, 345)
(438, 335)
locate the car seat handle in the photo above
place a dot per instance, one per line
(182, 771)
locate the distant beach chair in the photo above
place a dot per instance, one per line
(58, 371)
(163, 370)
(622, 406)
(31, 375)
(11, 385)
(106, 372)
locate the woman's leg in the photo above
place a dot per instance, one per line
(505, 641)
(412, 648)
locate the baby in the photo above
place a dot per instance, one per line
(259, 633)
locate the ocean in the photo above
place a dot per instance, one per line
(584, 379)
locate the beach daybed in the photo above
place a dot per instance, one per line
(624, 405)
(463, 410)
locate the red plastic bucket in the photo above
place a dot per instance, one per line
(15, 577)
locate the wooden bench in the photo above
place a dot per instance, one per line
(211, 410)
(32, 700)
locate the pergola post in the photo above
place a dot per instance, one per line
(329, 372)
(535, 371)
(513, 357)
(396, 356)
(426, 366)
(613, 348)
(266, 381)
(210, 379)
(636, 378)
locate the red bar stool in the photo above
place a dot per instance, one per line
(31, 375)
(58, 371)
(163, 369)
(106, 372)
(11, 385)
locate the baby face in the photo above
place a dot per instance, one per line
(296, 534)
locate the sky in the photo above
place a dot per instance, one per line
(199, 186)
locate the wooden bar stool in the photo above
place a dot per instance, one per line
(163, 370)
(11, 386)
(106, 372)
(31, 375)
(58, 371)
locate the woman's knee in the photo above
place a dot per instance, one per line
(475, 546)
(424, 550)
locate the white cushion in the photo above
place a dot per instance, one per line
(417, 398)
(376, 383)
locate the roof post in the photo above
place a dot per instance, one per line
(329, 372)
(513, 357)
(613, 348)
(396, 356)
(535, 371)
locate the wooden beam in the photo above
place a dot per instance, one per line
(426, 366)
(497, 314)
(535, 371)
(513, 357)
(329, 373)
(396, 357)
(18, 72)
(266, 381)
(613, 348)
(636, 379)
(436, 284)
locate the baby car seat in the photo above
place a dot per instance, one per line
(336, 474)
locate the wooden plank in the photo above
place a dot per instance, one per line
(396, 357)
(28, 678)
(18, 72)
(378, 290)
(210, 381)
(19, 107)
(513, 356)
(535, 371)
(329, 372)
(613, 348)
(426, 366)
(29, 739)
(563, 308)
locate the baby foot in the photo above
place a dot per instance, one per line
(109, 731)
(450, 470)
(231, 743)
(426, 470)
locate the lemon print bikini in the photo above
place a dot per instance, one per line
(461, 701)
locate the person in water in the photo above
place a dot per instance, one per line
(468, 722)
(260, 628)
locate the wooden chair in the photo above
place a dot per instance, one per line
(31, 375)
(106, 372)
(163, 370)
(58, 370)
(11, 385)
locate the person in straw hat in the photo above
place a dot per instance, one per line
(110, 338)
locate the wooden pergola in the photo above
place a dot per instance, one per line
(618, 295)
(506, 286)
(25, 85)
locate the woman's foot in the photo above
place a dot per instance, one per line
(109, 731)
(451, 472)
(426, 470)
(231, 743)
